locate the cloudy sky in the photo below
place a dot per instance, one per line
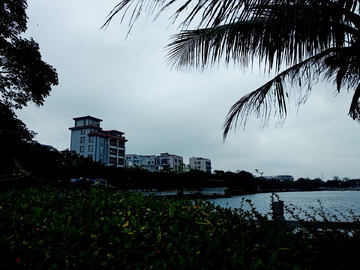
(127, 83)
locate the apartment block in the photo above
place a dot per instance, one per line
(153, 162)
(173, 161)
(199, 163)
(90, 140)
(144, 161)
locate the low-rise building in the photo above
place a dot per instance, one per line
(143, 161)
(155, 163)
(280, 177)
(199, 163)
(166, 159)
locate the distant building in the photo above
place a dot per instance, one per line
(147, 162)
(155, 163)
(199, 163)
(90, 140)
(174, 161)
(280, 177)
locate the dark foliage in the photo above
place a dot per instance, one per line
(13, 134)
(24, 76)
(47, 228)
(45, 163)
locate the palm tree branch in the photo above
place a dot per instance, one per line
(285, 40)
(213, 12)
(317, 38)
(354, 110)
(273, 93)
(202, 46)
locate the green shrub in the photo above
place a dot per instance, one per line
(103, 229)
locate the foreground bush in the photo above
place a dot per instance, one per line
(101, 229)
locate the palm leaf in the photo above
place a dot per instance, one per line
(275, 94)
(311, 39)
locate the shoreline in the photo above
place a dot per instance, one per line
(224, 193)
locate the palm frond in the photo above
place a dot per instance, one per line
(354, 111)
(274, 95)
(312, 39)
(288, 39)
(203, 47)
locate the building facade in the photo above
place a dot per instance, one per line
(280, 177)
(199, 163)
(174, 161)
(90, 140)
(147, 162)
(155, 163)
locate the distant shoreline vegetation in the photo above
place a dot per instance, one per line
(38, 164)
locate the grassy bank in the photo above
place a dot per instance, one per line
(49, 229)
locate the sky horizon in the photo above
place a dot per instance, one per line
(126, 82)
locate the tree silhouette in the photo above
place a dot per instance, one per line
(24, 77)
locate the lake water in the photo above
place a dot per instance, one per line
(332, 201)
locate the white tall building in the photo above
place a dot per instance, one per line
(90, 140)
(199, 163)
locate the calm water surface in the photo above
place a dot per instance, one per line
(332, 201)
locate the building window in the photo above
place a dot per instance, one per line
(112, 161)
(102, 141)
(101, 150)
(83, 131)
(91, 138)
(113, 142)
(90, 148)
(82, 139)
(113, 152)
(121, 152)
(164, 161)
(81, 148)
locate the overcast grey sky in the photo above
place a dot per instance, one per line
(127, 84)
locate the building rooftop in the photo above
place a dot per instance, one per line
(87, 117)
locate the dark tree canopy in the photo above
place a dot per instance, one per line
(303, 41)
(13, 133)
(24, 76)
